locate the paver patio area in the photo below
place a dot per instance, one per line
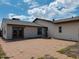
(25, 49)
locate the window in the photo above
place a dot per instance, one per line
(60, 29)
(39, 31)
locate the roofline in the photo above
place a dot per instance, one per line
(42, 20)
(60, 20)
(25, 25)
(67, 20)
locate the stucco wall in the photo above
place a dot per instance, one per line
(9, 32)
(30, 32)
(4, 32)
(51, 26)
(70, 31)
(4, 29)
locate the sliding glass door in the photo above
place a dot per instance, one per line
(17, 32)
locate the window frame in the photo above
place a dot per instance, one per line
(60, 29)
(39, 31)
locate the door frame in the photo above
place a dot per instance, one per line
(17, 29)
(45, 31)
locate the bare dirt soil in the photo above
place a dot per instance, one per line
(25, 49)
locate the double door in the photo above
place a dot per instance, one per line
(18, 32)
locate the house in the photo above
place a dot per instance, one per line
(15, 28)
(67, 29)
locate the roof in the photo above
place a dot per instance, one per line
(60, 20)
(19, 22)
(67, 20)
(42, 20)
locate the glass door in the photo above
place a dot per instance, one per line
(18, 32)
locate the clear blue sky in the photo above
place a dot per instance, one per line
(30, 9)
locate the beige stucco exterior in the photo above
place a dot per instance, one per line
(4, 29)
(30, 30)
(70, 30)
(51, 26)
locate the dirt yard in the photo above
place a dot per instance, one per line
(25, 49)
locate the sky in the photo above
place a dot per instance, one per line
(28, 10)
